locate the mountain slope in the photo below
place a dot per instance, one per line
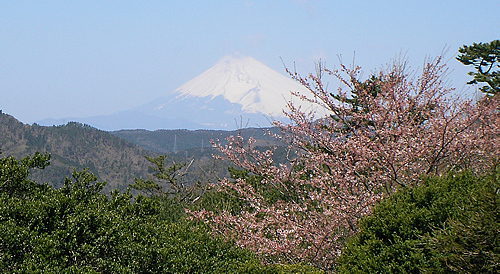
(168, 141)
(236, 92)
(71, 146)
(244, 81)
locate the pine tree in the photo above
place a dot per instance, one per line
(485, 57)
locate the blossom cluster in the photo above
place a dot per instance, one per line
(377, 136)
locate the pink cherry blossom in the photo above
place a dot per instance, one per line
(342, 163)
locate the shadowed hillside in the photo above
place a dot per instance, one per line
(118, 157)
(194, 148)
(75, 145)
(166, 141)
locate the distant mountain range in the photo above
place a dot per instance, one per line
(118, 157)
(237, 92)
(172, 141)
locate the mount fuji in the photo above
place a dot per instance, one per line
(237, 91)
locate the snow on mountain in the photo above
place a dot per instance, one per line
(236, 92)
(244, 81)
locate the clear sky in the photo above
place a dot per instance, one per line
(84, 58)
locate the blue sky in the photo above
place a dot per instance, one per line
(85, 58)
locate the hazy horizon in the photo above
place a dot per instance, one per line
(80, 59)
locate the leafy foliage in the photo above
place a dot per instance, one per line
(447, 224)
(78, 229)
(485, 58)
(171, 178)
(14, 173)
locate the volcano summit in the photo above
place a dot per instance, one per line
(244, 81)
(236, 89)
(236, 92)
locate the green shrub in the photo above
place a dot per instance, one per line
(78, 229)
(448, 224)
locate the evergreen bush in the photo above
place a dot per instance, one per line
(447, 224)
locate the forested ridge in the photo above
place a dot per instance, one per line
(168, 141)
(118, 157)
(74, 146)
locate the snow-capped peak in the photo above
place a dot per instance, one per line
(244, 81)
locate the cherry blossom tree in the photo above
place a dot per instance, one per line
(378, 135)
